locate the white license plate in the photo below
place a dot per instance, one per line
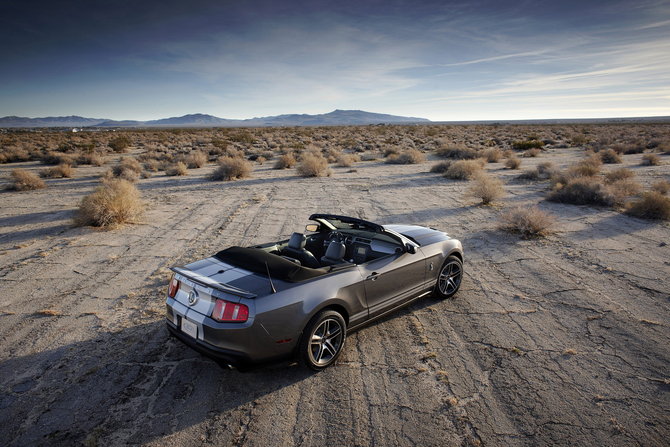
(189, 328)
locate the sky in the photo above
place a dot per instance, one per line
(440, 60)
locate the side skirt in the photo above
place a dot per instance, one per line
(390, 311)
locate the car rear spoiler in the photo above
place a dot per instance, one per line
(209, 282)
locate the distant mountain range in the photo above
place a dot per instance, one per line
(335, 118)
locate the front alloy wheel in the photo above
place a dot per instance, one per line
(449, 280)
(322, 340)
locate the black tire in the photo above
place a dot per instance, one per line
(449, 277)
(322, 340)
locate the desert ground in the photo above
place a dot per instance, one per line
(555, 340)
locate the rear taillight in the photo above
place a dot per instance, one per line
(173, 287)
(230, 312)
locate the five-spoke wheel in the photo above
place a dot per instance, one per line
(449, 279)
(322, 340)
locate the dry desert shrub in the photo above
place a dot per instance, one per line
(313, 165)
(534, 152)
(176, 169)
(260, 160)
(152, 165)
(14, 155)
(459, 152)
(268, 155)
(621, 190)
(610, 156)
(652, 205)
(464, 169)
(347, 160)
(390, 150)
(115, 202)
(580, 191)
(55, 158)
(528, 144)
(513, 162)
(60, 171)
(650, 160)
(90, 159)
(527, 220)
(486, 188)
(408, 157)
(23, 180)
(286, 161)
(619, 174)
(661, 187)
(493, 155)
(120, 143)
(196, 160)
(231, 168)
(441, 167)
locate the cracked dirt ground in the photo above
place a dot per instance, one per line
(556, 341)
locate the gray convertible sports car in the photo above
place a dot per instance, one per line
(245, 306)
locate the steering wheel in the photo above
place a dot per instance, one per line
(334, 236)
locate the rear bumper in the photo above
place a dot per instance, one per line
(224, 357)
(221, 356)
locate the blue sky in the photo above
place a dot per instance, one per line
(441, 60)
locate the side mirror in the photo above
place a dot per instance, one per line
(411, 249)
(313, 227)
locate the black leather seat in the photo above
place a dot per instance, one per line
(296, 250)
(334, 254)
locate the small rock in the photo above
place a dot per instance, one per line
(663, 244)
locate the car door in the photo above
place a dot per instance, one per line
(392, 280)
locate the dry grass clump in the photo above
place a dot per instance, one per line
(196, 160)
(115, 202)
(527, 220)
(441, 167)
(610, 156)
(409, 157)
(464, 169)
(231, 168)
(176, 169)
(513, 162)
(650, 160)
(661, 187)
(314, 165)
(23, 180)
(60, 171)
(652, 205)
(347, 160)
(286, 161)
(486, 188)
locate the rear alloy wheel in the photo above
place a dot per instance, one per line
(323, 340)
(450, 277)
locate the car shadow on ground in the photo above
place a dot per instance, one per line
(136, 384)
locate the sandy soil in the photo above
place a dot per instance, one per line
(556, 341)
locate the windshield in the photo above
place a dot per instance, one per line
(346, 223)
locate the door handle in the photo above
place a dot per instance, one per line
(373, 276)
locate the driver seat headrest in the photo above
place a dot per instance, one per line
(297, 241)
